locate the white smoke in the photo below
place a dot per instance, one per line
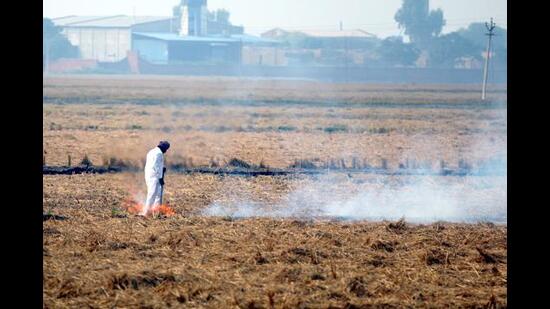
(422, 198)
(416, 198)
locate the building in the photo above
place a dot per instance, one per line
(324, 39)
(171, 48)
(166, 48)
(323, 47)
(108, 38)
(278, 33)
(182, 38)
(194, 18)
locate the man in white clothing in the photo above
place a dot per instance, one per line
(154, 176)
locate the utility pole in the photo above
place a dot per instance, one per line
(47, 66)
(490, 27)
(346, 58)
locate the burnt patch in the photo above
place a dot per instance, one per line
(487, 257)
(260, 259)
(46, 217)
(115, 245)
(398, 227)
(144, 280)
(299, 251)
(238, 163)
(388, 246)
(358, 287)
(435, 257)
(378, 261)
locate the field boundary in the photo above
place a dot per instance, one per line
(260, 103)
(254, 172)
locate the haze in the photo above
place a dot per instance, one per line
(374, 16)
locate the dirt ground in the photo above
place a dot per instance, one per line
(96, 254)
(265, 129)
(101, 256)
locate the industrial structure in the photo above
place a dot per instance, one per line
(325, 47)
(187, 37)
(194, 18)
(108, 38)
(165, 48)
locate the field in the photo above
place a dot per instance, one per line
(275, 242)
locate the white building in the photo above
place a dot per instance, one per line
(194, 18)
(109, 38)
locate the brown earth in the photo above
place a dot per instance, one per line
(102, 256)
(277, 134)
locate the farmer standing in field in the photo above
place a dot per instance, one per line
(154, 176)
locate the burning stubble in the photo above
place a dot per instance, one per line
(420, 199)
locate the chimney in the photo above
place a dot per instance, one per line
(194, 15)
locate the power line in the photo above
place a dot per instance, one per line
(490, 27)
(457, 21)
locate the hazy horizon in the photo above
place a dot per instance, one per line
(260, 16)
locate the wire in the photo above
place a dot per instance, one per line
(458, 21)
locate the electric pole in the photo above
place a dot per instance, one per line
(490, 27)
(47, 65)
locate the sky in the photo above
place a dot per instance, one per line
(257, 16)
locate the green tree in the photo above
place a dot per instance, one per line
(394, 51)
(447, 48)
(54, 44)
(476, 33)
(420, 24)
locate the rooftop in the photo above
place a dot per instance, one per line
(353, 33)
(244, 38)
(116, 21)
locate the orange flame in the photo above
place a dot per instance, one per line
(135, 208)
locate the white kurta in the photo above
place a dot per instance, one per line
(153, 172)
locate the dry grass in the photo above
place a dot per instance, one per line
(101, 259)
(163, 89)
(253, 134)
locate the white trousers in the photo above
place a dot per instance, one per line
(153, 195)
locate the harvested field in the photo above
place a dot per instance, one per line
(331, 238)
(171, 89)
(273, 133)
(104, 257)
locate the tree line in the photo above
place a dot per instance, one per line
(422, 28)
(425, 41)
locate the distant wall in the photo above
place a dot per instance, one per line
(155, 51)
(263, 56)
(332, 74)
(102, 44)
(188, 51)
(64, 65)
(337, 74)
